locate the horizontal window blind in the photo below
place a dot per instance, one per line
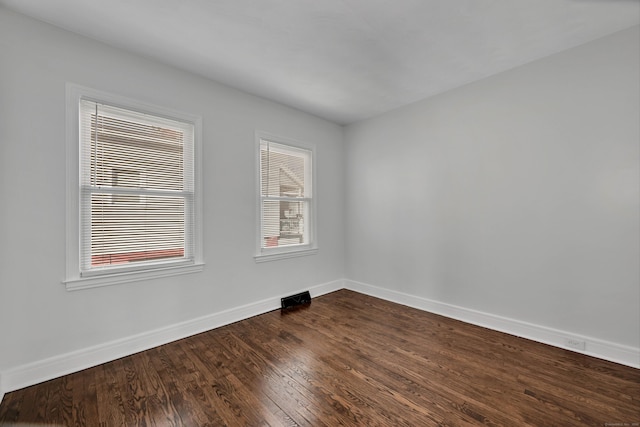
(286, 195)
(137, 188)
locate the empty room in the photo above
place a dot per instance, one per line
(319, 213)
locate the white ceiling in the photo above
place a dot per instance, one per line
(344, 60)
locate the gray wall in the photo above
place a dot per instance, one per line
(516, 195)
(38, 317)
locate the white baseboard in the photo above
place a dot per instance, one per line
(44, 370)
(613, 352)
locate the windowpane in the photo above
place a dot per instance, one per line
(283, 223)
(282, 173)
(134, 230)
(137, 182)
(118, 144)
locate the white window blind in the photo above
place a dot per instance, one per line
(285, 196)
(136, 189)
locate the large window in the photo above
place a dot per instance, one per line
(286, 203)
(136, 192)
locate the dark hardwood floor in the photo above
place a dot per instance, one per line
(348, 359)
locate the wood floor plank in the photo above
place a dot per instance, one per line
(347, 359)
(10, 407)
(111, 405)
(18, 406)
(177, 380)
(305, 372)
(84, 397)
(259, 374)
(291, 386)
(158, 406)
(367, 364)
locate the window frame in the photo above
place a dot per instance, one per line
(263, 254)
(74, 278)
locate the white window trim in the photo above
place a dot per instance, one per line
(272, 254)
(73, 279)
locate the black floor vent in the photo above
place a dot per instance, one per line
(302, 298)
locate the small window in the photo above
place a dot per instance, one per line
(286, 202)
(138, 208)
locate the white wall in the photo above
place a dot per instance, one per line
(515, 196)
(39, 319)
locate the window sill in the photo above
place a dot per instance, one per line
(283, 255)
(134, 276)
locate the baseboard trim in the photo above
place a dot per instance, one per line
(54, 367)
(44, 370)
(613, 352)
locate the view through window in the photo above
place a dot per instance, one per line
(285, 192)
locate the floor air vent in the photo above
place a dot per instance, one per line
(302, 298)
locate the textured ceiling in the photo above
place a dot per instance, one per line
(344, 60)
